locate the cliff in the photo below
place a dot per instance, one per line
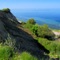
(23, 41)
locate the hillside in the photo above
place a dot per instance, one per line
(24, 42)
(49, 38)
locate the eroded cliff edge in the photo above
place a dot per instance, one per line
(23, 41)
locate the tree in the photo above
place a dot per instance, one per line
(34, 29)
(31, 21)
(45, 32)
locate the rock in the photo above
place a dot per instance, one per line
(24, 42)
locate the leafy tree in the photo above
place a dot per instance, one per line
(34, 29)
(31, 21)
(45, 32)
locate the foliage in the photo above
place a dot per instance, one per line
(34, 29)
(5, 52)
(52, 46)
(31, 21)
(45, 36)
(7, 10)
(24, 56)
(44, 32)
(23, 23)
(40, 30)
(29, 26)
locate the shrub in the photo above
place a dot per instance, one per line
(34, 29)
(24, 56)
(52, 46)
(29, 26)
(7, 10)
(45, 32)
(41, 31)
(5, 52)
(45, 42)
(23, 23)
(31, 21)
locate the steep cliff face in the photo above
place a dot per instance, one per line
(24, 42)
(6, 19)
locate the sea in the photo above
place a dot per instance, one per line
(51, 18)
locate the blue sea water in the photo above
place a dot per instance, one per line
(52, 18)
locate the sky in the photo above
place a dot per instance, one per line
(30, 4)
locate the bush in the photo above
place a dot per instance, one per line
(45, 32)
(31, 21)
(29, 26)
(52, 46)
(34, 29)
(41, 31)
(24, 56)
(7, 10)
(45, 42)
(5, 52)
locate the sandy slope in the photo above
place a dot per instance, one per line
(56, 32)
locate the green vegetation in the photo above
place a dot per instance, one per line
(52, 46)
(31, 21)
(44, 32)
(5, 52)
(44, 36)
(7, 10)
(40, 31)
(24, 56)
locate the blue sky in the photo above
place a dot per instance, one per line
(30, 4)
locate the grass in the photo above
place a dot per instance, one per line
(52, 46)
(5, 52)
(24, 56)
